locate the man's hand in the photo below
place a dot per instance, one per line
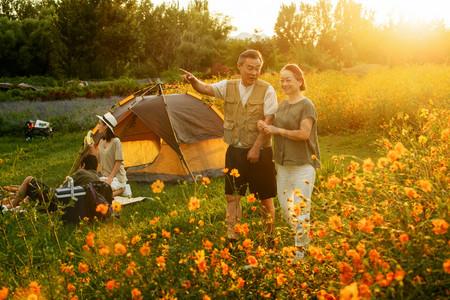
(253, 154)
(188, 77)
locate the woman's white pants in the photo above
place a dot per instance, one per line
(292, 181)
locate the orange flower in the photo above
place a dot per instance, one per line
(35, 288)
(136, 294)
(206, 180)
(154, 220)
(104, 251)
(161, 262)
(332, 181)
(207, 244)
(71, 287)
(201, 223)
(252, 261)
(206, 297)
(116, 206)
(417, 208)
(377, 218)
(225, 268)
(440, 226)
(102, 208)
(241, 283)
(335, 223)
(3, 293)
(403, 237)
(411, 193)
(145, 249)
(165, 234)
(247, 243)
(242, 229)
(83, 268)
(316, 253)
(365, 225)
(120, 249)
(368, 165)
(350, 292)
(251, 198)
(382, 162)
(235, 173)
(194, 203)
(281, 278)
(157, 186)
(399, 275)
(374, 255)
(200, 260)
(90, 239)
(173, 213)
(446, 266)
(110, 285)
(225, 253)
(225, 170)
(136, 239)
(425, 185)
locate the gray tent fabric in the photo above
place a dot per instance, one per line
(190, 118)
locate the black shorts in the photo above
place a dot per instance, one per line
(259, 177)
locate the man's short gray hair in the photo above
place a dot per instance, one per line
(251, 53)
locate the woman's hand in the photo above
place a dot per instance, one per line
(270, 129)
(261, 125)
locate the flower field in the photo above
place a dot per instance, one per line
(379, 227)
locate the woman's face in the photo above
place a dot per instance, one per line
(289, 83)
(101, 127)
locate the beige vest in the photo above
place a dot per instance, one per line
(239, 121)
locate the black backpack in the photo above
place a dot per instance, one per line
(98, 192)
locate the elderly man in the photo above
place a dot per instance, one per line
(246, 101)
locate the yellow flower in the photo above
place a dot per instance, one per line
(422, 140)
(235, 173)
(425, 185)
(368, 165)
(350, 292)
(157, 186)
(116, 206)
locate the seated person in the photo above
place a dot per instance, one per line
(35, 190)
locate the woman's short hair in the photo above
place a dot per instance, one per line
(298, 74)
(251, 53)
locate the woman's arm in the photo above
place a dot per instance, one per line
(301, 134)
(114, 171)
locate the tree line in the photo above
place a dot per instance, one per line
(98, 39)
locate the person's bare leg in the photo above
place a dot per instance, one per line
(234, 214)
(268, 214)
(118, 192)
(20, 194)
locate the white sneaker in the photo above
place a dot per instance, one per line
(127, 191)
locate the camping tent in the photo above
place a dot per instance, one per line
(169, 137)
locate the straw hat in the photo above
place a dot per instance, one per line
(109, 120)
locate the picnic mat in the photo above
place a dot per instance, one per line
(127, 200)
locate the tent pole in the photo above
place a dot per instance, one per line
(161, 92)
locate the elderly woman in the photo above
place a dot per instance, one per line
(296, 152)
(110, 155)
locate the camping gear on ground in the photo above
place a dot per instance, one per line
(73, 202)
(85, 200)
(38, 128)
(168, 137)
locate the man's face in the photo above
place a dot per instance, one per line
(250, 70)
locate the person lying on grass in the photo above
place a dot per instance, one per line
(33, 190)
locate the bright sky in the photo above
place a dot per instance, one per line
(248, 15)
